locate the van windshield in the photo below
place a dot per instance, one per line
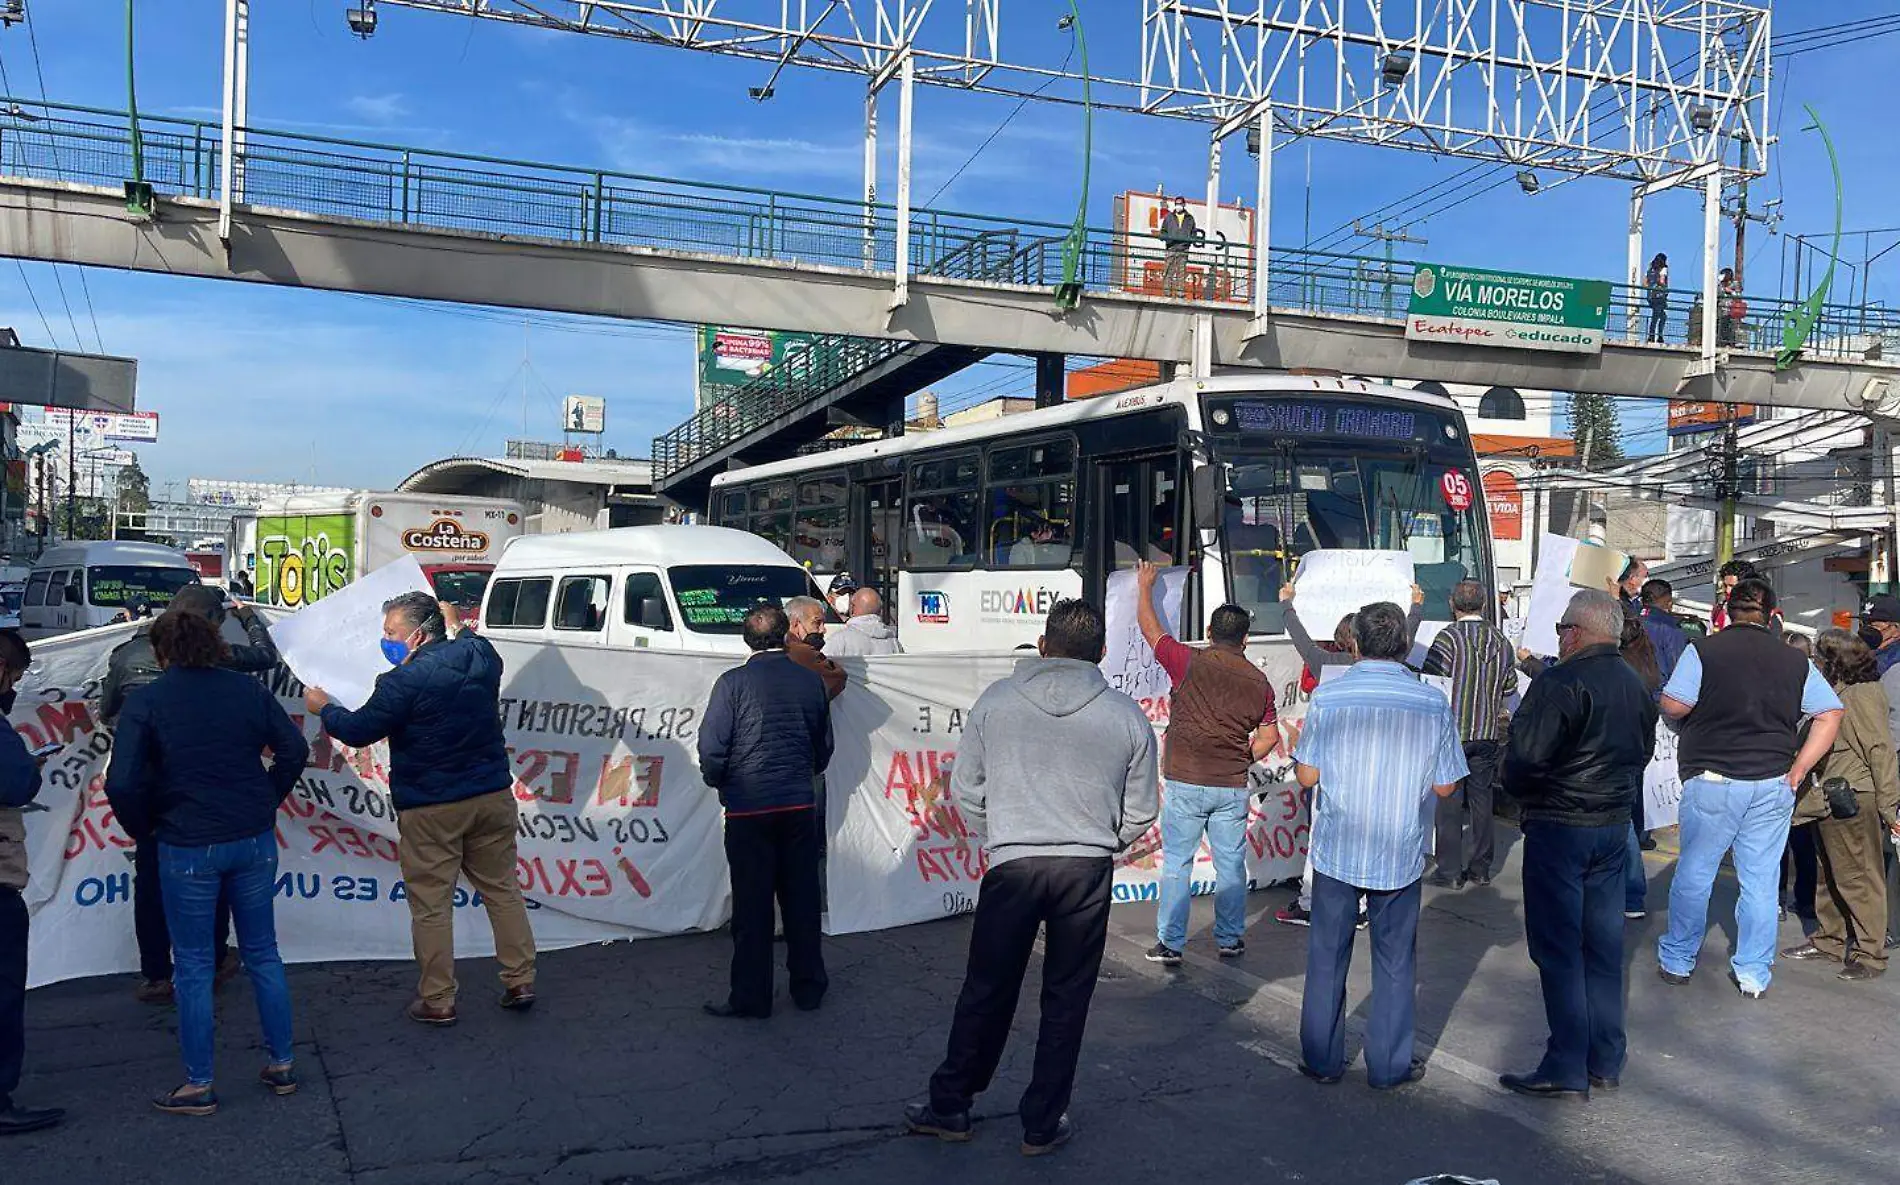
(714, 598)
(116, 586)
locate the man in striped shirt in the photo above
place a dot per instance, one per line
(1481, 665)
(1378, 744)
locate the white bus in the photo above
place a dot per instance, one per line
(971, 533)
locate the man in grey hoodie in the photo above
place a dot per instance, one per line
(864, 632)
(1056, 773)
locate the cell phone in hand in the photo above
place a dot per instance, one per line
(47, 750)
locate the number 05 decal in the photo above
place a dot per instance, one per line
(1457, 489)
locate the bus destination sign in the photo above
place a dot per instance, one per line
(1308, 417)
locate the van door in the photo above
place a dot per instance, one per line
(646, 618)
(62, 590)
(33, 613)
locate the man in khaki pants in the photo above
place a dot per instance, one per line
(449, 775)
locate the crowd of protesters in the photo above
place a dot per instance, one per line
(1058, 774)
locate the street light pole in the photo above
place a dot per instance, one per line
(1069, 292)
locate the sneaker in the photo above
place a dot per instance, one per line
(1635, 915)
(1238, 949)
(1362, 923)
(1748, 990)
(1043, 1146)
(1163, 954)
(1293, 915)
(920, 1120)
(153, 991)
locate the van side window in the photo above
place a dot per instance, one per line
(646, 602)
(519, 604)
(36, 589)
(56, 588)
(582, 604)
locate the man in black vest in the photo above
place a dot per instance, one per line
(1741, 695)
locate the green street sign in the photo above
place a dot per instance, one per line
(1470, 307)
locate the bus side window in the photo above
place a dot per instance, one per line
(818, 536)
(1032, 506)
(940, 513)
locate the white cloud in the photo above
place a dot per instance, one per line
(379, 109)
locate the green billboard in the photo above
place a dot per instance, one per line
(304, 557)
(1471, 307)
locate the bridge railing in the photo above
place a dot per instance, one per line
(422, 187)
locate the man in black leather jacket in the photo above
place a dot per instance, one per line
(1579, 744)
(131, 666)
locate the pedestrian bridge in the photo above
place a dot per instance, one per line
(349, 216)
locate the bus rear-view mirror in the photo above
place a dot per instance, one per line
(1210, 495)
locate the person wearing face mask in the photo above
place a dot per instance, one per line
(19, 785)
(805, 643)
(440, 710)
(1178, 233)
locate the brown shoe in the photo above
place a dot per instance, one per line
(425, 1013)
(153, 991)
(1858, 970)
(518, 999)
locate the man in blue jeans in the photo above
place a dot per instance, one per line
(1741, 696)
(1579, 744)
(1221, 721)
(1377, 743)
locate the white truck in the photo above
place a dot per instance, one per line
(307, 546)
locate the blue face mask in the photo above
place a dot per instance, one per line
(395, 651)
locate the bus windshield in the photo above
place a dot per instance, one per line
(1287, 502)
(116, 586)
(463, 588)
(714, 598)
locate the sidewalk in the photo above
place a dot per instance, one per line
(618, 1077)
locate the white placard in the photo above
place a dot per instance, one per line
(336, 643)
(1130, 665)
(1333, 582)
(1551, 591)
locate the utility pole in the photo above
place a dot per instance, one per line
(1379, 233)
(1725, 473)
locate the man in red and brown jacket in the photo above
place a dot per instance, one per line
(1221, 722)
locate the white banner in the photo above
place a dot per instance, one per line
(619, 838)
(1662, 782)
(1333, 582)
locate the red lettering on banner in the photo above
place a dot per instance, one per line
(952, 863)
(97, 827)
(633, 876)
(62, 722)
(630, 781)
(1159, 708)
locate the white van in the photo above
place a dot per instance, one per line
(77, 586)
(659, 587)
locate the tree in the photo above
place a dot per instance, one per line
(135, 489)
(1597, 430)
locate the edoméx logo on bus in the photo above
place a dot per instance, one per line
(1016, 603)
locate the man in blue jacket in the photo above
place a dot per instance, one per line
(765, 737)
(19, 785)
(440, 711)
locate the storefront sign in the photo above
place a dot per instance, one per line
(1504, 500)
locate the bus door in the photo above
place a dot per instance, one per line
(1137, 517)
(882, 516)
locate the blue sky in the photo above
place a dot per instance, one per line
(277, 384)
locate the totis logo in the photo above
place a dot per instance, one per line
(1018, 602)
(933, 607)
(444, 534)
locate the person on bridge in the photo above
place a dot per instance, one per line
(1740, 695)
(453, 786)
(763, 745)
(1656, 290)
(1178, 235)
(864, 631)
(1055, 775)
(187, 771)
(1850, 900)
(1221, 722)
(1375, 746)
(134, 664)
(1478, 659)
(1579, 745)
(19, 786)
